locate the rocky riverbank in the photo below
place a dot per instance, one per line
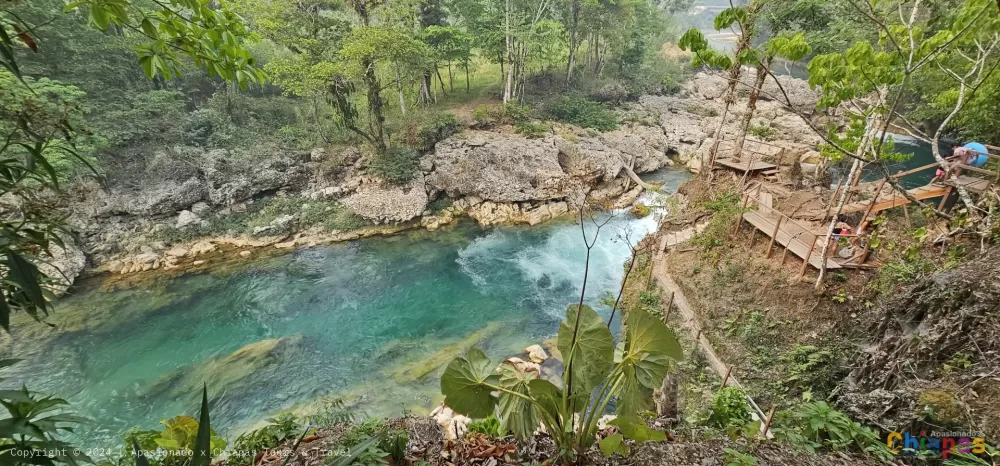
(194, 207)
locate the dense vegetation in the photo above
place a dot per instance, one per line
(93, 89)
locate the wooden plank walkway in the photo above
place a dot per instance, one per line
(895, 199)
(971, 183)
(792, 237)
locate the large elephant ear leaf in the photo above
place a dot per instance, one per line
(635, 428)
(590, 354)
(548, 398)
(466, 384)
(517, 415)
(649, 347)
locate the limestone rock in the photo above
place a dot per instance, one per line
(536, 354)
(245, 254)
(499, 168)
(146, 258)
(389, 203)
(200, 208)
(202, 247)
(177, 251)
(455, 425)
(523, 365)
(186, 218)
(63, 265)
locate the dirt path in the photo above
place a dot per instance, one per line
(689, 320)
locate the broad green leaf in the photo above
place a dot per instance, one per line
(590, 355)
(633, 427)
(549, 400)
(465, 385)
(203, 442)
(517, 415)
(25, 275)
(614, 444)
(649, 346)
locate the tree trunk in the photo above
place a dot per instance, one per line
(425, 95)
(468, 87)
(508, 41)
(573, 28)
(873, 125)
(377, 119)
(440, 81)
(399, 89)
(746, 35)
(751, 105)
(451, 78)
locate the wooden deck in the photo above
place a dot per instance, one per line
(892, 199)
(792, 237)
(743, 166)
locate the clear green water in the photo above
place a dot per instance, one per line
(358, 319)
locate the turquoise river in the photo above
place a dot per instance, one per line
(372, 321)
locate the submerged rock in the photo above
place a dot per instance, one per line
(222, 372)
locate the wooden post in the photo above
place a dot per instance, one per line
(753, 237)
(906, 213)
(697, 338)
(805, 262)
(739, 218)
(767, 423)
(725, 378)
(833, 198)
(868, 211)
(670, 306)
(944, 199)
(774, 236)
(649, 276)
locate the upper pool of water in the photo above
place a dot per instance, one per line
(371, 320)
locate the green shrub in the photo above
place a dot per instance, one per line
(765, 132)
(484, 116)
(640, 210)
(397, 165)
(579, 111)
(532, 130)
(247, 445)
(424, 133)
(730, 408)
(489, 427)
(487, 116)
(516, 112)
(439, 204)
(173, 444)
(815, 426)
